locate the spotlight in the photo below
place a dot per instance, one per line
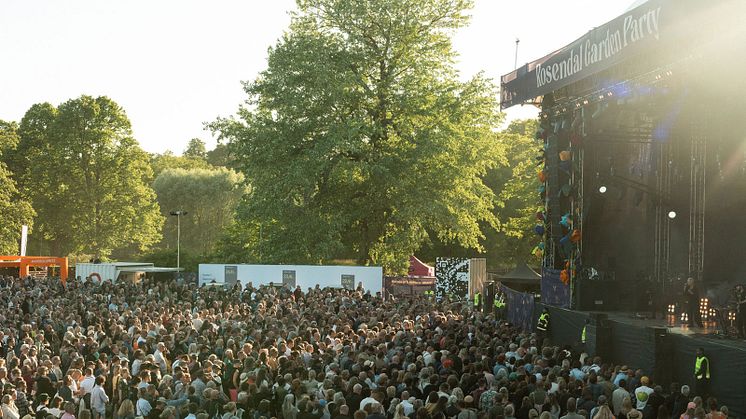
(602, 189)
(671, 309)
(672, 214)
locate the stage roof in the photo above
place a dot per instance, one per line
(521, 274)
(642, 32)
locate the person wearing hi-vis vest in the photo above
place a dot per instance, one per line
(584, 333)
(499, 305)
(542, 325)
(477, 300)
(702, 374)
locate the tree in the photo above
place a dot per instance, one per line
(515, 185)
(14, 210)
(209, 196)
(360, 141)
(196, 149)
(87, 177)
(168, 160)
(220, 156)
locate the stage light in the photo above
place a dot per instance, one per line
(732, 316)
(602, 189)
(672, 214)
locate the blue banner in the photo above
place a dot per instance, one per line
(553, 291)
(520, 307)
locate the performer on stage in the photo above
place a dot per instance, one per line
(740, 311)
(691, 300)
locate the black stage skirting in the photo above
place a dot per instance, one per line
(666, 353)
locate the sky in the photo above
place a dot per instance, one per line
(175, 64)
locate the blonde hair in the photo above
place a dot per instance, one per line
(126, 408)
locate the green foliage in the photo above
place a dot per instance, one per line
(8, 137)
(516, 186)
(518, 196)
(167, 257)
(167, 160)
(14, 210)
(360, 141)
(209, 196)
(196, 149)
(86, 177)
(220, 156)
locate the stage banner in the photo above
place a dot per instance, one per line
(520, 307)
(408, 286)
(553, 291)
(655, 24)
(452, 277)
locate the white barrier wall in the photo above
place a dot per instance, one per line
(307, 276)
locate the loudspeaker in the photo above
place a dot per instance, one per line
(663, 350)
(598, 295)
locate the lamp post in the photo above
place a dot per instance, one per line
(178, 214)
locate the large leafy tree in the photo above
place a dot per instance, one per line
(209, 196)
(15, 211)
(86, 177)
(516, 185)
(359, 139)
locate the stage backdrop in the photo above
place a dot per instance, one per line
(553, 291)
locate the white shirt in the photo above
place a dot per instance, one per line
(408, 407)
(135, 370)
(642, 394)
(87, 384)
(99, 399)
(143, 407)
(366, 401)
(160, 360)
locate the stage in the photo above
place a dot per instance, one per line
(663, 348)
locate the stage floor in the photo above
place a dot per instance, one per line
(710, 331)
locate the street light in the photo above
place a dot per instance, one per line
(178, 214)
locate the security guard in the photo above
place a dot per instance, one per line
(542, 325)
(499, 306)
(583, 334)
(477, 300)
(702, 374)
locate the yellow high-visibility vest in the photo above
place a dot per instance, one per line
(698, 365)
(543, 322)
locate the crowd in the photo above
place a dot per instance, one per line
(169, 350)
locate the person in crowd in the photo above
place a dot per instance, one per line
(99, 398)
(126, 410)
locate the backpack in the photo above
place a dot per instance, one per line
(42, 413)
